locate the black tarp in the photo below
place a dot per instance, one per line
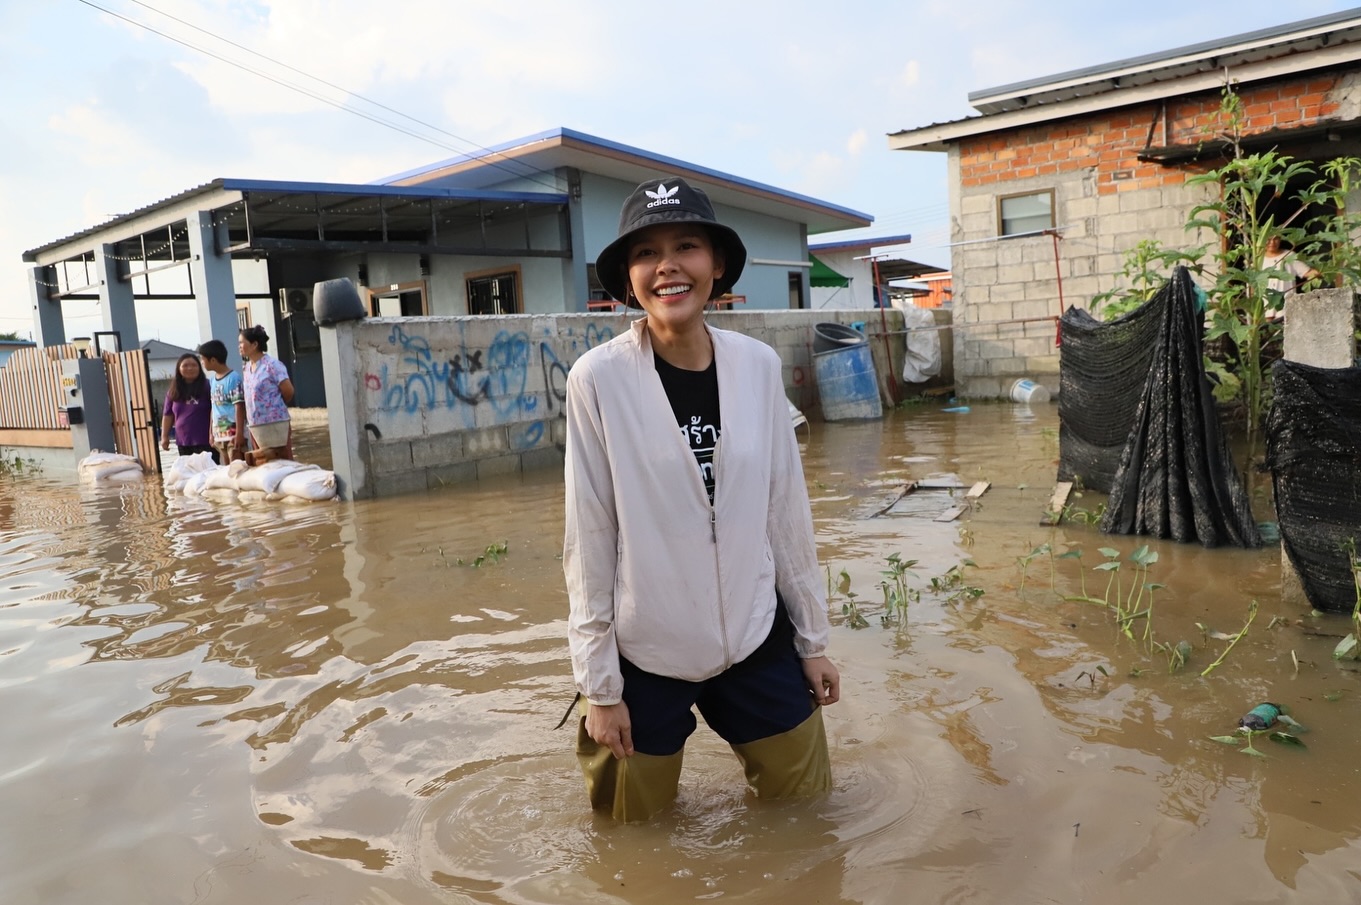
(1137, 420)
(1314, 453)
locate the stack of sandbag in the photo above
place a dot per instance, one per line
(101, 466)
(185, 467)
(281, 480)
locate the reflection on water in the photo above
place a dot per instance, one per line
(209, 703)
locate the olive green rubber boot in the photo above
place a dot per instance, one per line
(631, 789)
(793, 764)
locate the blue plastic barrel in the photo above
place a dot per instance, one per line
(844, 370)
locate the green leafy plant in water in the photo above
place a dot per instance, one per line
(850, 609)
(1090, 676)
(493, 553)
(1129, 605)
(1348, 647)
(1044, 549)
(12, 465)
(951, 586)
(897, 594)
(1232, 639)
(1146, 267)
(1177, 655)
(1075, 513)
(1251, 205)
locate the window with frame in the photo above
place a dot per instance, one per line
(494, 292)
(1025, 213)
(399, 300)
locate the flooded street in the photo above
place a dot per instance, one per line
(338, 703)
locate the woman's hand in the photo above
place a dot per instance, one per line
(824, 682)
(609, 725)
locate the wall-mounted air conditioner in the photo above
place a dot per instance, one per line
(297, 300)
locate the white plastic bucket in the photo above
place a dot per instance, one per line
(1025, 390)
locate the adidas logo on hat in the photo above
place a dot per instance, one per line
(663, 195)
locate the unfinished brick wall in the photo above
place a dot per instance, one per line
(1106, 199)
(1110, 143)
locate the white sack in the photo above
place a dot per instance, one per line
(921, 360)
(185, 467)
(265, 478)
(218, 478)
(99, 466)
(194, 486)
(309, 484)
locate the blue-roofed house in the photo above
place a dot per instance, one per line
(509, 229)
(9, 346)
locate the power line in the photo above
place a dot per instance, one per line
(530, 168)
(319, 97)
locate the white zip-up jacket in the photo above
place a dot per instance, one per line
(654, 573)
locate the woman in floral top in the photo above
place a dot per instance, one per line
(268, 392)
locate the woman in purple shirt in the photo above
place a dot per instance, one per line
(189, 408)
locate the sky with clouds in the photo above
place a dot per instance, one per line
(105, 116)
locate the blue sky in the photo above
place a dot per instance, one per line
(104, 117)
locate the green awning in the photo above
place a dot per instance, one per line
(822, 275)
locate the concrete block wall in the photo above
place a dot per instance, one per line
(1105, 201)
(417, 403)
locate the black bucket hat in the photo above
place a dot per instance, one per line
(667, 200)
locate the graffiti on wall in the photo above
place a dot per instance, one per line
(555, 368)
(499, 377)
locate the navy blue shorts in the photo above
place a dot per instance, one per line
(764, 695)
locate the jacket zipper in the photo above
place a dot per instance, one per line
(718, 569)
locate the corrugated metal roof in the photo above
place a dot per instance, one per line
(234, 188)
(866, 242)
(1295, 47)
(1263, 44)
(535, 157)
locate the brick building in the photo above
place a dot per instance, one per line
(1057, 178)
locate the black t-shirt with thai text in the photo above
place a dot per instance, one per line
(694, 401)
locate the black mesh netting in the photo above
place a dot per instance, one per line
(1314, 453)
(1138, 421)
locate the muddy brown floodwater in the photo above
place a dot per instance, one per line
(329, 704)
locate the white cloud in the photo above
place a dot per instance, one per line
(911, 74)
(856, 143)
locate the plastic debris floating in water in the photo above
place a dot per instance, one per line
(1261, 717)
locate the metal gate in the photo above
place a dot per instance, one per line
(134, 411)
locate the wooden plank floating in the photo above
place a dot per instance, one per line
(904, 491)
(940, 482)
(977, 490)
(1056, 503)
(949, 515)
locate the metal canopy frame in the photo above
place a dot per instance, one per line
(276, 219)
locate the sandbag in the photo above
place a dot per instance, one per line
(99, 466)
(125, 476)
(310, 484)
(219, 478)
(194, 486)
(185, 467)
(265, 478)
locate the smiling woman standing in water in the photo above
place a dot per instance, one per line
(689, 551)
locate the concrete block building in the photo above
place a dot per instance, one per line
(1056, 178)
